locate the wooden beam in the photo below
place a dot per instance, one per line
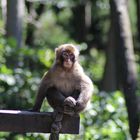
(26, 121)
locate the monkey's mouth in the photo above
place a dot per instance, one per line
(67, 64)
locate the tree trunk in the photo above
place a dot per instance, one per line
(125, 61)
(81, 20)
(34, 14)
(109, 82)
(15, 12)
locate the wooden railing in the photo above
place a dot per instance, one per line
(26, 121)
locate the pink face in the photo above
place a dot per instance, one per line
(67, 58)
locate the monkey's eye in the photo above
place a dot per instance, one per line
(65, 54)
(72, 57)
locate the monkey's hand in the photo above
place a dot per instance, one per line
(70, 101)
(69, 104)
(80, 106)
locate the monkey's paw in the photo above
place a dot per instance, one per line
(69, 110)
(56, 127)
(70, 101)
(80, 106)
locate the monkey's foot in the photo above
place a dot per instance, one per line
(70, 101)
(69, 110)
(56, 127)
(80, 106)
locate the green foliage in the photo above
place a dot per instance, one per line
(105, 118)
(110, 113)
(50, 34)
(132, 12)
(19, 85)
(21, 70)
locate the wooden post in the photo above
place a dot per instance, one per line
(26, 121)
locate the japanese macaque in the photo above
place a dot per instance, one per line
(66, 87)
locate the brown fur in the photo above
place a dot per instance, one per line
(67, 81)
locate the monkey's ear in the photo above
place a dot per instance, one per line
(56, 50)
(77, 50)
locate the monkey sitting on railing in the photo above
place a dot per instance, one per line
(66, 87)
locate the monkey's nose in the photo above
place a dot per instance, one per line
(67, 60)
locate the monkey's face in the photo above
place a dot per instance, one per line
(66, 55)
(67, 59)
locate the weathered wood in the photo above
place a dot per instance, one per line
(26, 121)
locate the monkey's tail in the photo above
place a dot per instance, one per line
(56, 125)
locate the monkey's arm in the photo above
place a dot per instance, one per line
(40, 97)
(85, 94)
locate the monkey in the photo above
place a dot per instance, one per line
(66, 86)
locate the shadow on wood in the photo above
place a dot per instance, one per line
(26, 121)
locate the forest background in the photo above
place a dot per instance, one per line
(107, 32)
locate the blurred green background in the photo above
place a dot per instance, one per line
(108, 35)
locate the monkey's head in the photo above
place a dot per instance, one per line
(66, 55)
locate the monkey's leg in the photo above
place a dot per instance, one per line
(79, 106)
(70, 103)
(55, 99)
(71, 100)
(75, 94)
